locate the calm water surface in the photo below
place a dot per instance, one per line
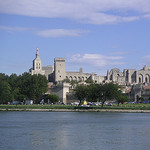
(74, 131)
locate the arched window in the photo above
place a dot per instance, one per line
(75, 78)
(146, 80)
(140, 78)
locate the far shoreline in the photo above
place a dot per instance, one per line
(79, 110)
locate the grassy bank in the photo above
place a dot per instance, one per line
(120, 107)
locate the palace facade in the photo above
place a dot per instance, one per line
(57, 73)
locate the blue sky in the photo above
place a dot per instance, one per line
(96, 35)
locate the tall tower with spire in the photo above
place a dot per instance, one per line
(37, 65)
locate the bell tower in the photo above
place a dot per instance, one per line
(37, 64)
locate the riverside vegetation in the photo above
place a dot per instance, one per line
(27, 86)
(139, 106)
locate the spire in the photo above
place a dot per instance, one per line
(37, 53)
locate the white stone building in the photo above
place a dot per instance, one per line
(57, 73)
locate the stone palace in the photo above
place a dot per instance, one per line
(57, 73)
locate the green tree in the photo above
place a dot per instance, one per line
(92, 92)
(5, 92)
(80, 92)
(121, 98)
(52, 98)
(4, 77)
(33, 86)
(14, 84)
(89, 81)
(107, 91)
(141, 99)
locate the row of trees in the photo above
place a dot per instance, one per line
(100, 92)
(25, 86)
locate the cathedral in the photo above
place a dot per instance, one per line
(57, 73)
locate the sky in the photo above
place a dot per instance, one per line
(97, 35)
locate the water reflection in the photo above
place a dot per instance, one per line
(72, 130)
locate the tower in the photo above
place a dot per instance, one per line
(37, 65)
(59, 69)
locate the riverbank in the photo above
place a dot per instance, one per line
(79, 110)
(131, 108)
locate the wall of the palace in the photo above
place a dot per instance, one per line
(60, 90)
(78, 76)
(48, 71)
(138, 91)
(129, 76)
(143, 76)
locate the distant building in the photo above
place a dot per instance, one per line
(129, 76)
(135, 92)
(58, 73)
(55, 74)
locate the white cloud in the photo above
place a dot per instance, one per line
(147, 16)
(11, 29)
(60, 33)
(96, 60)
(53, 33)
(86, 11)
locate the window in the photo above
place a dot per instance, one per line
(146, 80)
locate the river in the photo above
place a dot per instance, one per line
(74, 131)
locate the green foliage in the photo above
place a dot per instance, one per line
(21, 87)
(121, 98)
(89, 81)
(80, 92)
(5, 92)
(52, 98)
(107, 91)
(73, 82)
(33, 86)
(141, 99)
(66, 80)
(92, 92)
(97, 92)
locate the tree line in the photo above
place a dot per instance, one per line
(100, 93)
(25, 86)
